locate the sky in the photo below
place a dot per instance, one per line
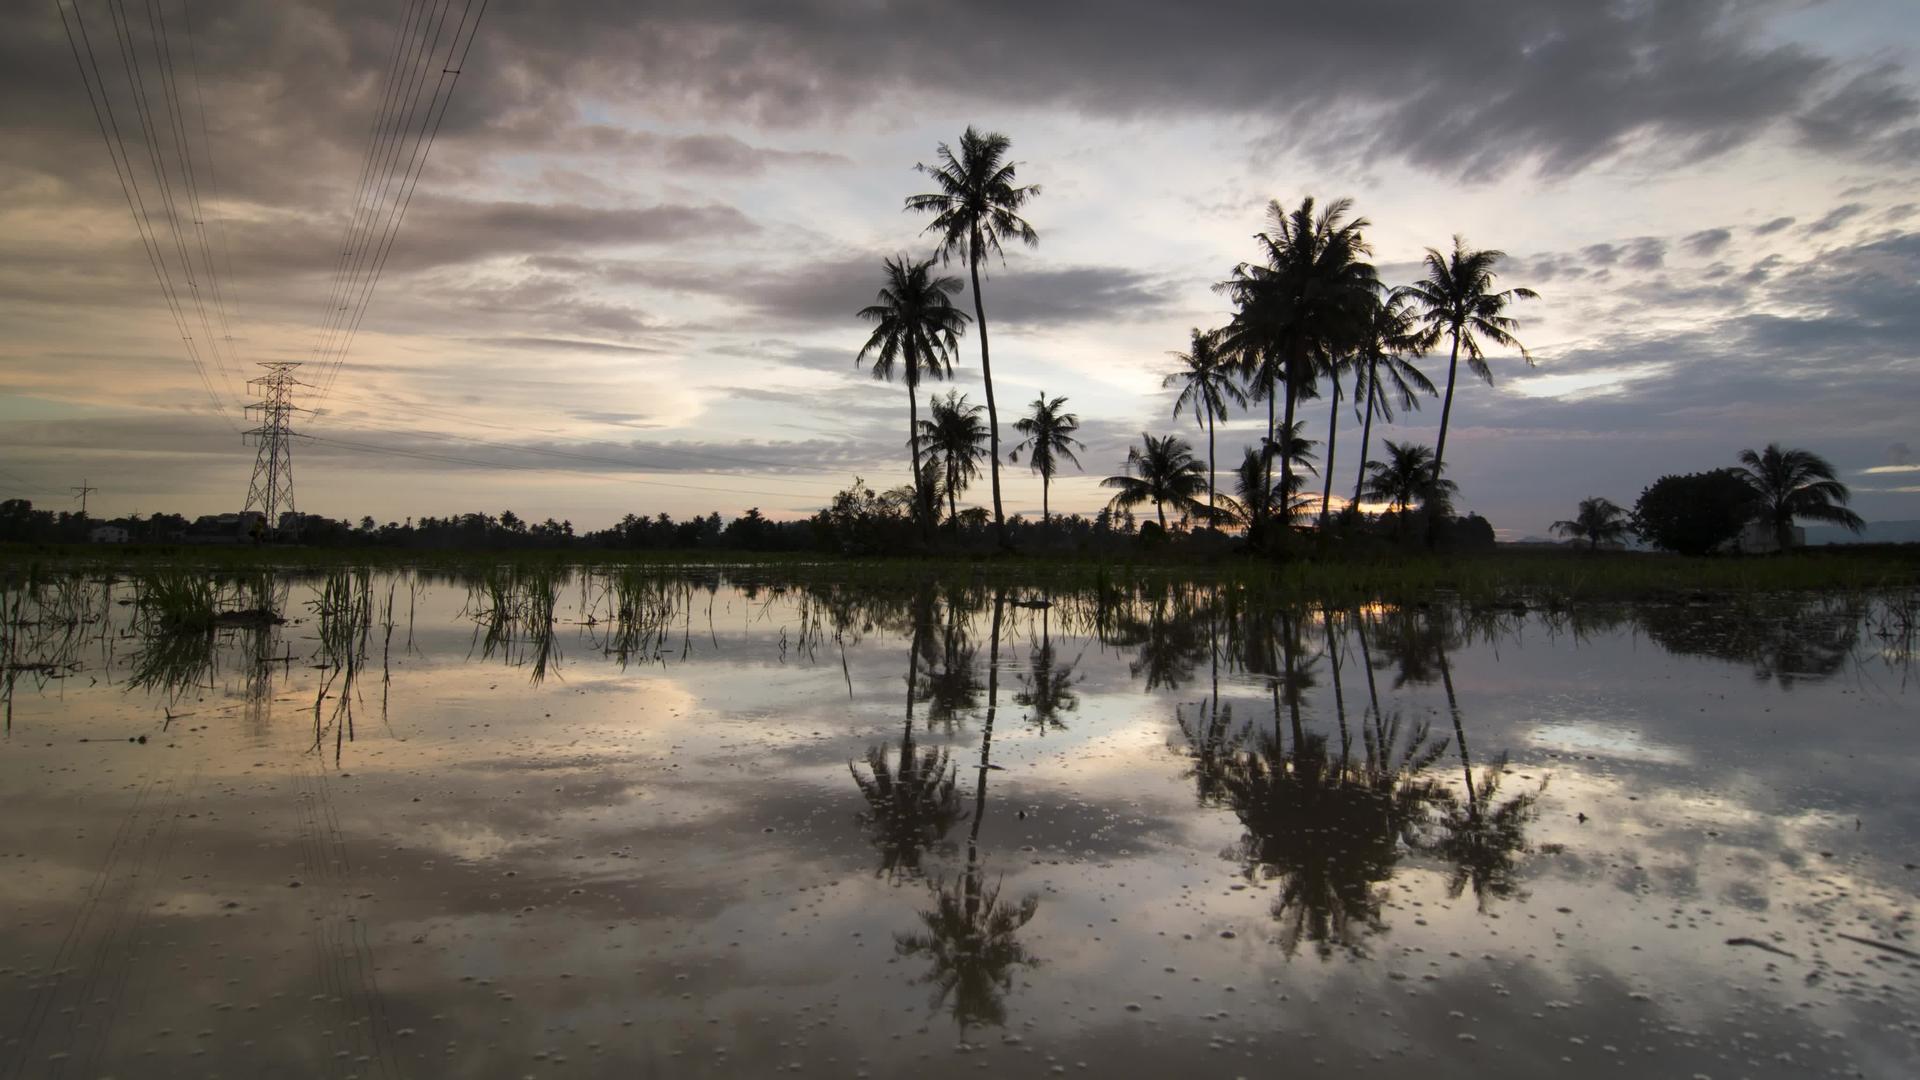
(627, 274)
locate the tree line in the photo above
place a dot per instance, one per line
(1311, 319)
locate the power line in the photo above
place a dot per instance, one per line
(370, 263)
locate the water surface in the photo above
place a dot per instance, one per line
(705, 825)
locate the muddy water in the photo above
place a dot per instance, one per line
(702, 826)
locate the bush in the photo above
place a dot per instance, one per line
(1693, 514)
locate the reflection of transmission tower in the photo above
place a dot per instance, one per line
(271, 491)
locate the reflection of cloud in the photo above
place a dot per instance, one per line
(1593, 737)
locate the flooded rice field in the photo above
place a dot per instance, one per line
(666, 824)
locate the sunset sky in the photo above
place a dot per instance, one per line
(627, 279)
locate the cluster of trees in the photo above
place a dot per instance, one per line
(1311, 318)
(1699, 513)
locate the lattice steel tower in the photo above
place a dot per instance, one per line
(271, 491)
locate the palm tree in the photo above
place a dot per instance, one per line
(1161, 471)
(1406, 477)
(1257, 495)
(916, 325)
(976, 208)
(1385, 373)
(1600, 521)
(1303, 307)
(1049, 437)
(1457, 299)
(1796, 483)
(954, 436)
(1207, 385)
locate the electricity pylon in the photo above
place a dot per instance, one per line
(271, 490)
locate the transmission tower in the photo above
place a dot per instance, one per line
(271, 490)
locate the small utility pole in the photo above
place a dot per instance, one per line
(81, 493)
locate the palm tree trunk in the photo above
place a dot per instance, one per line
(1366, 433)
(1446, 408)
(1046, 482)
(986, 376)
(1211, 502)
(1266, 464)
(1286, 459)
(913, 443)
(1161, 511)
(953, 504)
(1333, 433)
(1440, 447)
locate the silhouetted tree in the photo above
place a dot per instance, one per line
(1598, 522)
(917, 328)
(1795, 483)
(1049, 439)
(954, 435)
(1457, 299)
(1386, 373)
(1161, 471)
(976, 208)
(1207, 386)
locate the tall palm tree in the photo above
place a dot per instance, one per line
(1385, 373)
(976, 208)
(1207, 385)
(1796, 483)
(1599, 521)
(1303, 307)
(1457, 299)
(1161, 471)
(916, 326)
(954, 435)
(1406, 477)
(1049, 437)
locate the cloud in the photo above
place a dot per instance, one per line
(1774, 226)
(1875, 113)
(1834, 218)
(1707, 242)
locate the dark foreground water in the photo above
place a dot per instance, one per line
(698, 826)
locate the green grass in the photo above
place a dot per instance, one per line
(1549, 577)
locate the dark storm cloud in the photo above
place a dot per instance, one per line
(1557, 84)
(1708, 242)
(1875, 111)
(831, 290)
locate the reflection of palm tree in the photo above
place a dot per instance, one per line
(1169, 640)
(913, 803)
(953, 688)
(1328, 828)
(969, 935)
(1048, 685)
(1483, 838)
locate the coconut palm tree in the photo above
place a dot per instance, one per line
(1600, 521)
(1457, 299)
(915, 326)
(1207, 385)
(1385, 372)
(976, 208)
(1406, 477)
(918, 329)
(954, 434)
(1796, 483)
(1049, 438)
(1161, 471)
(1257, 495)
(1303, 307)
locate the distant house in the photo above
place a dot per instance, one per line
(107, 534)
(1760, 538)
